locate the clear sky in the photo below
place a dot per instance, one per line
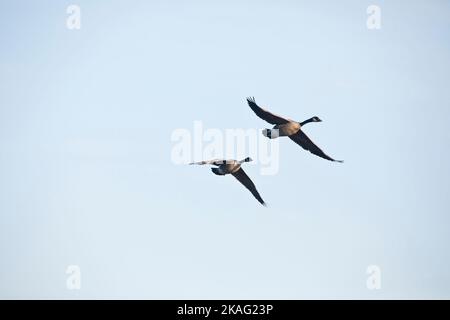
(86, 176)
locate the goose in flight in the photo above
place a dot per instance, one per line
(233, 167)
(290, 128)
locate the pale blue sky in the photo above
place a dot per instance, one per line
(85, 171)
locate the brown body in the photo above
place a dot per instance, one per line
(230, 166)
(287, 129)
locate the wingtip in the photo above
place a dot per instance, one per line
(340, 161)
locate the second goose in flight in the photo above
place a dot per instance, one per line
(290, 128)
(233, 167)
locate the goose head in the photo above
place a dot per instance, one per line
(316, 119)
(248, 159)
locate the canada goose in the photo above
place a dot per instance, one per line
(290, 128)
(234, 167)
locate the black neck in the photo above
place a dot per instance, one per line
(306, 121)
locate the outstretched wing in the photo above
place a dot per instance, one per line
(264, 114)
(245, 180)
(216, 162)
(302, 140)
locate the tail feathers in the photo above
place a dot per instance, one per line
(270, 133)
(217, 171)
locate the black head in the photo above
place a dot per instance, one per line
(248, 159)
(316, 119)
